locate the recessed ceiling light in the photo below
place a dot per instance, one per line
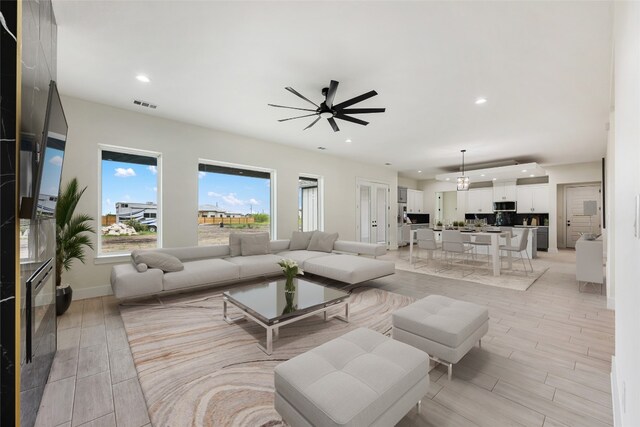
(446, 179)
(481, 174)
(524, 170)
(495, 179)
(142, 78)
(481, 101)
(348, 141)
(419, 171)
(532, 175)
(322, 148)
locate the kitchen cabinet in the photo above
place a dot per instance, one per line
(532, 198)
(480, 200)
(415, 201)
(504, 191)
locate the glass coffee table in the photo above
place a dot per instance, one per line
(271, 306)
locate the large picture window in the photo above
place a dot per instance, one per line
(232, 198)
(130, 212)
(309, 209)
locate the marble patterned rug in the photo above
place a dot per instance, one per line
(197, 370)
(477, 271)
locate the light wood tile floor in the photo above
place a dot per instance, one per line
(545, 361)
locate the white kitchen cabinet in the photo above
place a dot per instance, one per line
(480, 200)
(415, 201)
(504, 191)
(532, 198)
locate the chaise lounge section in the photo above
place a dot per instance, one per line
(215, 266)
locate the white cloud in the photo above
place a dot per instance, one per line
(253, 202)
(56, 160)
(232, 200)
(153, 169)
(213, 194)
(201, 175)
(124, 173)
(155, 189)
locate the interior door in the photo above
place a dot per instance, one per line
(373, 211)
(576, 220)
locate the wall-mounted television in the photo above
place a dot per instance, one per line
(50, 158)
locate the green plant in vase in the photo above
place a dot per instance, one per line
(291, 270)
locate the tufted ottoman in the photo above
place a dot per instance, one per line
(443, 327)
(362, 378)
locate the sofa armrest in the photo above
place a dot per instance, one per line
(127, 282)
(360, 248)
(279, 245)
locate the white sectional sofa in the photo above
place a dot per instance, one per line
(214, 266)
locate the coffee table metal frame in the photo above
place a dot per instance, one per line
(273, 329)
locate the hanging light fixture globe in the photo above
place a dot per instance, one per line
(463, 181)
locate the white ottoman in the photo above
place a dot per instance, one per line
(362, 378)
(443, 327)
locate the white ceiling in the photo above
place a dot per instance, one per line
(543, 66)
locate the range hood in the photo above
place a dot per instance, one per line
(502, 173)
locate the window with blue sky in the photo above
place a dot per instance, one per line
(229, 199)
(130, 208)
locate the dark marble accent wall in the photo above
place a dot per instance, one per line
(8, 161)
(37, 238)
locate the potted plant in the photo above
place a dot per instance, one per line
(71, 239)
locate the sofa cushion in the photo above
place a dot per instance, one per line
(255, 244)
(301, 256)
(322, 242)
(441, 319)
(159, 260)
(349, 268)
(300, 240)
(351, 380)
(202, 272)
(127, 282)
(234, 244)
(257, 265)
(193, 253)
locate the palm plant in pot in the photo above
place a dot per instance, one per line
(71, 239)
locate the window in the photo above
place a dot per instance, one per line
(233, 198)
(129, 200)
(309, 210)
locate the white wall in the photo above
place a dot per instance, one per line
(559, 176)
(430, 188)
(181, 146)
(626, 263)
(408, 182)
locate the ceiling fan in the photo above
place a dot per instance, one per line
(327, 110)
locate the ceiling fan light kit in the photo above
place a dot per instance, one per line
(327, 109)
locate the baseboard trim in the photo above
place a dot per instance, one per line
(93, 292)
(615, 395)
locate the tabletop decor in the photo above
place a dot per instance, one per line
(291, 270)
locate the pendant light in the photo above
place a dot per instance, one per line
(463, 181)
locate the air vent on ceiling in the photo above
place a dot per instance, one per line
(144, 104)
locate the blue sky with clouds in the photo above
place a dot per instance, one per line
(51, 170)
(233, 193)
(127, 182)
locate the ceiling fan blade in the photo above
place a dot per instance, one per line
(351, 119)
(291, 108)
(361, 110)
(355, 100)
(333, 124)
(299, 117)
(313, 123)
(293, 91)
(331, 93)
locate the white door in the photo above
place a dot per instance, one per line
(577, 222)
(372, 208)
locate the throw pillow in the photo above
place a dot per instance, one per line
(322, 242)
(300, 240)
(164, 262)
(255, 244)
(234, 244)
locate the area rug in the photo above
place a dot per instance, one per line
(479, 273)
(197, 370)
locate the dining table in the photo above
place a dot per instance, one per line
(494, 247)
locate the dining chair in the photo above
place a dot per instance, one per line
(482, 241)
(520, 248)
(452, 245)
(426, 241)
